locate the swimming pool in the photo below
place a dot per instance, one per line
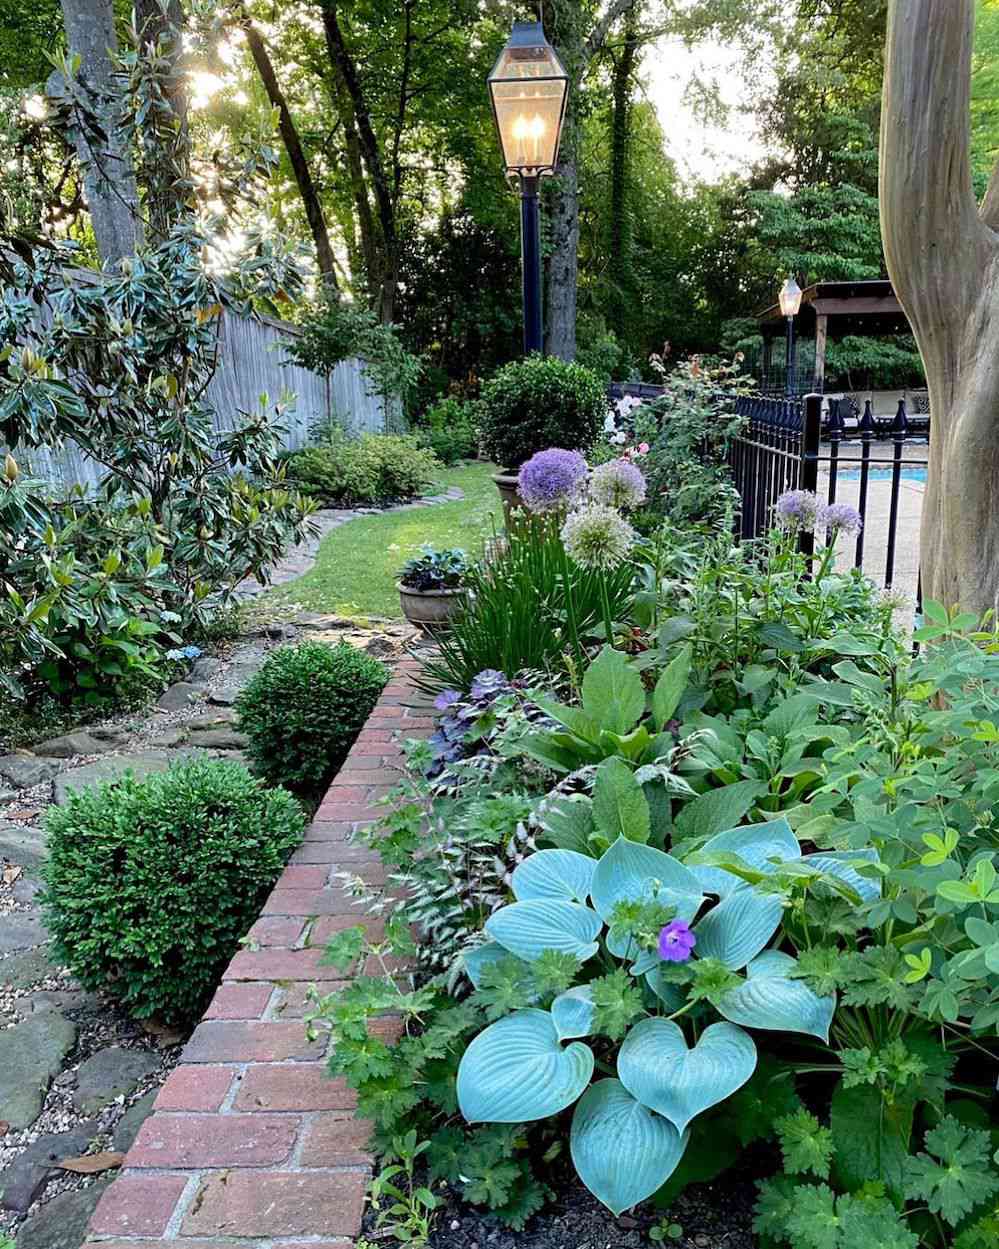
(908, 472)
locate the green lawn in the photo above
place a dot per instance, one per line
(355, 573)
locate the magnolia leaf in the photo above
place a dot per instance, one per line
(527, 929)
(622, 1152)
(769, 999)
(632, 872)
(656, 1067)
(573, 1012)
(516, 1071)
(613, 695)
(739, 927)
(554, 874)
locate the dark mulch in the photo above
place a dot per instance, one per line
(712, 1216)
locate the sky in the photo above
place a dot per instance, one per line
(702, 150)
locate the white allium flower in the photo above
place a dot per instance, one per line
(597, 537)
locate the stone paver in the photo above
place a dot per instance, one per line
(31, 1053)
(110, 1073)
(139, 763)
(249, 1143)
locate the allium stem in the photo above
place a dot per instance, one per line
(570, 609)
(605, 598)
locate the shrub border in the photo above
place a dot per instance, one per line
(249, 1143)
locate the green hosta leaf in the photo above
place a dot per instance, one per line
(553, 874)
(573, 1012)
(632, 872)
(771, 1000)
(528, 928)
(739, 927)
(483, 955)
(718, 809)
(516, 1071)
(670, 688)
(613, 695)
(658, 1069)
(760, 846)
(620, 808)
(622, 1152)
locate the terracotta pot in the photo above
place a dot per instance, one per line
(430, 609)
(506, 484)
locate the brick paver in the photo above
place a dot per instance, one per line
(249, 1142)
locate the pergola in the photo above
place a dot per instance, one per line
(835, 310)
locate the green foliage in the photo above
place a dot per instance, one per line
(953, 1174)
(434, 570)
(403, 1207)
(303, 709)
(150, 884)
(540, 402)
(340, 331)
(370, 469)
(450, 429)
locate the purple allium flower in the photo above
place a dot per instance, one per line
(676, 942)
(445, 698)
(552, 479)
(598, 537)
(618, 484)
(798, 509)
(841, 517)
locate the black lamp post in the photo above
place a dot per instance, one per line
(790, 305)
(529, 89)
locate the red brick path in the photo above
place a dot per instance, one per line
(250, 1145)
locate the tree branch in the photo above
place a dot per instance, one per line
(990, 202)
(599, 33)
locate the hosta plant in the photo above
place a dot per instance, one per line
(619, 950)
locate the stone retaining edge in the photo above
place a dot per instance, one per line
(249, 1144)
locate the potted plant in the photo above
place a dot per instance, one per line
(432, 586)
(530, 405)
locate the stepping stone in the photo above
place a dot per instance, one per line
(62, 1222)
(25, 1177)
(21, 844)
(107, 734)
(62, 1000)
(219, 718)
(133, 1119)
(219, 739)
(140, 763)
(21, 930)
(179, 697)
(109, 1074)
(31, 1053)
(25, 771)
(71, 744)
(21, 971)
(205, 669)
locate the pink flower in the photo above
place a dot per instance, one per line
(676, 942)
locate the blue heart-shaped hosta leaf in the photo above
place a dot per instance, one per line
(622, 1152)
(670, 994)
(656, 1067)
(629, 871)
(527, 929)
(561, 874)
(573, 1012)
(843, 864)
(760, 846)
(771, 1000)
(517, 1071)
(739, 927)
(475, 961)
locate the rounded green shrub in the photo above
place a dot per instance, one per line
(303, 709)
(540, 402)
(150, 884)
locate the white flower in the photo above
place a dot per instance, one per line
(597, 537)
(617, 438)
(610, 425)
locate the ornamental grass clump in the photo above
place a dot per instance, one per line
(151, 884)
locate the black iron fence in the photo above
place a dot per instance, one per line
(791, 444)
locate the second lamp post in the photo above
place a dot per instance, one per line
(790, 305)
(529, 89)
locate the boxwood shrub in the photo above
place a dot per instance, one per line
(540, 402)
(151, 883)
(303, 709)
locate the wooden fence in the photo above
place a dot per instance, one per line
(252, 362)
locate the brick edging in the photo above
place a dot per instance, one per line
(249, 1143)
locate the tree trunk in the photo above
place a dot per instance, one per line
(171, 194)
(943, 258)
(296, 155)
(108, 175)
(563, 261)
(621, 278)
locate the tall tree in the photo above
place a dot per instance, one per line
(943, 257)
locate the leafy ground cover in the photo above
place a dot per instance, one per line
(357, 566)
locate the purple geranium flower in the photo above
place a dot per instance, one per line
(552, 479)
(676, 942)
(842, 517)
(799, 509)
(445, 699)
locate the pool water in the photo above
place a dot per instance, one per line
(906, 473)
